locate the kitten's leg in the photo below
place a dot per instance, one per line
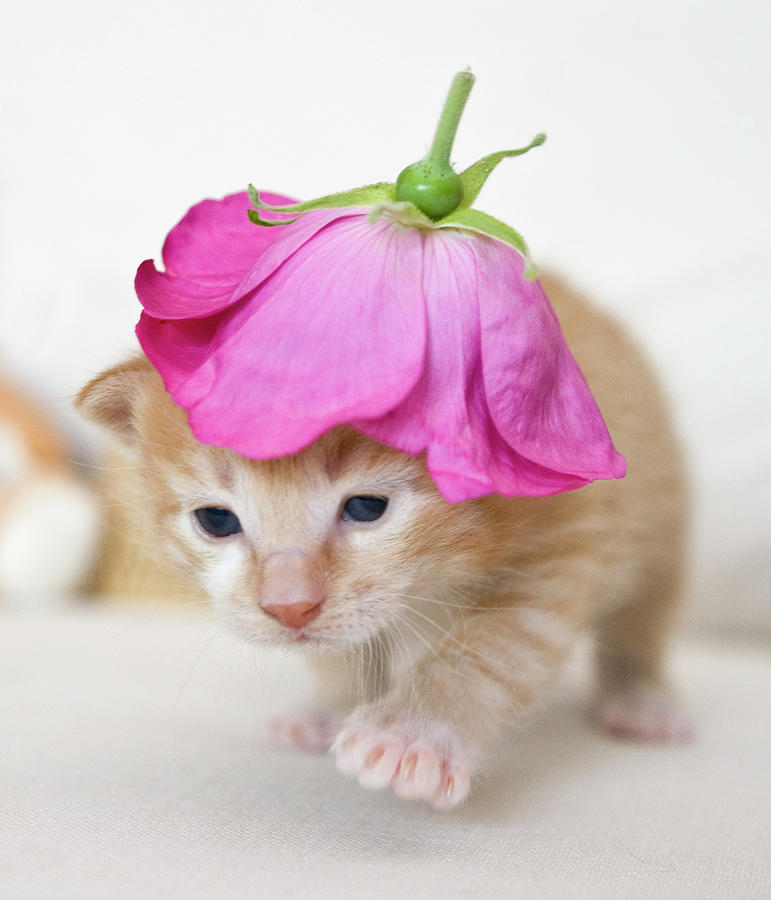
(634, 699)
(424, 738)
(341, 682)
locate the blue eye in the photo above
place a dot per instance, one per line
(218, 522)
(364, 509)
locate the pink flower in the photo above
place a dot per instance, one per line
(430, 340)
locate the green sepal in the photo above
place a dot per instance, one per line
(476, 220)
(368, 195)
(476, 175)
(256, 219)
(403, 211)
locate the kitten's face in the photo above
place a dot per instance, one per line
(326, 548)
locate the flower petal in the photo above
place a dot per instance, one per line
(216, 240)
(537, 396)
(168, 296)
(443, 413)
(336, 333)
(476, 220)
(446, 415)
(165, 296)
(178, 348)
(206, 255)
(428, 340)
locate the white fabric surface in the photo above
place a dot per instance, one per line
(130, 768)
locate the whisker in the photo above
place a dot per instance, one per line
(447, 635)
(395, 624)
(481, 607)
(216, 634)
(422, 638)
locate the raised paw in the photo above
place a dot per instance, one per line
(416, 769)
(644, 712)
(312, 731)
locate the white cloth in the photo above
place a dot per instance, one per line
(130, 768)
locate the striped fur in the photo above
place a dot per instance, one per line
(440, 623)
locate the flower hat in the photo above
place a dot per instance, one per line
(396, 309)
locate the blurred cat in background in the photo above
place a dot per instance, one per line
(49, 514)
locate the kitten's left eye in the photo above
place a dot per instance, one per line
(364, 509)
(218, 522)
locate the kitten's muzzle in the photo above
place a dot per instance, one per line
(293, 615)
(291, 590)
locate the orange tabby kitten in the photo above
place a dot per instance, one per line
(456, 617)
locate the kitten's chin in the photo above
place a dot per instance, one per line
(305, 640)
(320, 641)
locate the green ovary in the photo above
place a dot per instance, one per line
(436, 190)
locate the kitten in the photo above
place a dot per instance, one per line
(455, 617)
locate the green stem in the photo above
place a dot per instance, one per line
(450, 117)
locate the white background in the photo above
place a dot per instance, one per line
(652, 192)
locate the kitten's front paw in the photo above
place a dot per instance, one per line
(416, 767)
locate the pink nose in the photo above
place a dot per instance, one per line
(293, 615)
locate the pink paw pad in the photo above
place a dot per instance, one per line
(647, 713)
(381, 758)
(312, 731)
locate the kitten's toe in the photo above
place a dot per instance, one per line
(454, 785)
(419, 772)
(370, 755)
(416, 770)
(313, 731)
(643, 712)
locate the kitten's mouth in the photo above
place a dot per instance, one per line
(304, 638)
(312, 640)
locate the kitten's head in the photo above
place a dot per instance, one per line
(328, 547)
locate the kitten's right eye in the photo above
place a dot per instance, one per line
(364, 509)
(218, 522)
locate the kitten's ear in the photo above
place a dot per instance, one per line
(111, 399)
